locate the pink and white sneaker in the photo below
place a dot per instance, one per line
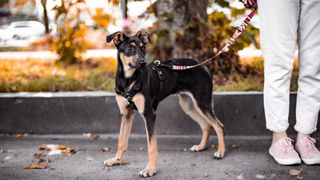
(308, 151)
(283, 152)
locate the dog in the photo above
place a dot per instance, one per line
(141, 86)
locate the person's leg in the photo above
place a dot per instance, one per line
(308, 98)
(279, 25)
(278, 30)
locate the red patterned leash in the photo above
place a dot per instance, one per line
(233, 39)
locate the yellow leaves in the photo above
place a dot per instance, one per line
(101, 18)
(114, 2)
(67, 43)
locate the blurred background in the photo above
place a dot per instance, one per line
(59, 45)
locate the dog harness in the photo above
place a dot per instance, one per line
(130, 92)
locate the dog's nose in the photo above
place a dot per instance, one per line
(142, 63)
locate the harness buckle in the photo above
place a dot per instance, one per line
(157, 62)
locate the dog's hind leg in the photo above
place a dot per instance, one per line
(218, 127)
(208, 115)
(189, 108)
(127, 117)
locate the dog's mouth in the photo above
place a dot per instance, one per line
(137, 65)
(131, 65)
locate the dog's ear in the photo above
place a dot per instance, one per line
(117, 37)
(144, 36)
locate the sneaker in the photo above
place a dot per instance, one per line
(308, 151)
(283, 152)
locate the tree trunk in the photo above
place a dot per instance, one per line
(181, 29)
(45, 15)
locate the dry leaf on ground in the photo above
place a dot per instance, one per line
(234, 146)
(91, 136)
(55, 149)
(295, 172)
(36, 166)
(106, 149)
(19, 135)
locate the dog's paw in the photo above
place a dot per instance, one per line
(112, 162)
(218, 155)
(196, 148)
(147, 172)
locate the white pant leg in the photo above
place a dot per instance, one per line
(308, 99)
(278, 32)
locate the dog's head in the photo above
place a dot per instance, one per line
(131, 49)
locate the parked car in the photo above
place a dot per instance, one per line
(23, 30)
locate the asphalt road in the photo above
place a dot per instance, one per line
(246, 158)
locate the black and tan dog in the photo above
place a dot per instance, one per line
(141, 87)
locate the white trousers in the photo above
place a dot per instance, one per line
(284, 23)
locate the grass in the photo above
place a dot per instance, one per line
(40, 76)
(33, 75)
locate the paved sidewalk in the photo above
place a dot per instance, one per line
(246, 158)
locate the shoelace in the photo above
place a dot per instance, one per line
(287, 145)
(310, 144)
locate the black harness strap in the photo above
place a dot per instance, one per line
(130, 93)
(155, 67)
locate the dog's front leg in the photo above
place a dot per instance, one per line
(150, 170)
(127, 117)
(149, 117)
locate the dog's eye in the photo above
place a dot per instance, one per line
(131, 48)
(143, 48)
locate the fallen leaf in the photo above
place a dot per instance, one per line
(36, 166)
(55, 152)
(260, 176)
(7, 158)
(3, 151)
(295, 172)
(69, 151)
(19, 135)
(141, 148)
(214, 146)
(38, 155)
(106, 149)
(55, 149)
(299, 177)
(91, 136)
(234, 146)
(62, 147)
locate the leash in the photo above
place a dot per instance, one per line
(248, 3)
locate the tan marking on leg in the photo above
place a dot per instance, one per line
(151, 170)
(216, 124)
(125, 129)
(139, 101)
(188, 107)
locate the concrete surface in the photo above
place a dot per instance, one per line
(249, 161)
(79, 112)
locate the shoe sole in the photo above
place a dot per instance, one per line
(285, 161)
(311, 161)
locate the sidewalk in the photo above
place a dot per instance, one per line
(246, 158)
